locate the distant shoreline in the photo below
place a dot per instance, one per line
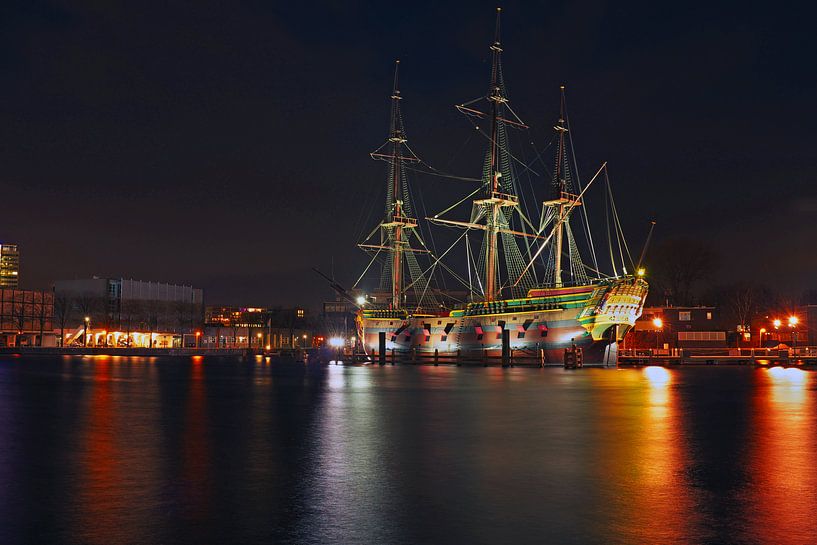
(125, 352)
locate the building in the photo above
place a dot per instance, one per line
(9, 266)
(787, 327)
(127, 306)
(257, 327)
(677, 327)
(26, 318)
(338, 318)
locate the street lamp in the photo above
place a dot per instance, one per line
(259, 335)
(762, 331)
(659, 324)
(793, 325)
(198, 336)
(85, 338)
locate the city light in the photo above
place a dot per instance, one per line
(337, 342)
(361, 299)
(793, 321)
(641, 272)
(658, 323)
(776, 323)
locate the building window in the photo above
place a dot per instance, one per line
(708, 315)
(684, 316)
(300, 313)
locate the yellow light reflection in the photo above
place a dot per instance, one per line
(658, 377)
(783, 454)
(645, 451)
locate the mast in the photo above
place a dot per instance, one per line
(397, 139)
(495, 97)
(565, 200)
(488, 213)
(397, 226)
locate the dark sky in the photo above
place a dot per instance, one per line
(226, 144)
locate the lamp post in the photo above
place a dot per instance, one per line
(198, 336)
(259, 335)
(85, 337)
(793, 325)
(760, 341)
(659, 324)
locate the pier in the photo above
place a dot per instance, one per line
(801, 356)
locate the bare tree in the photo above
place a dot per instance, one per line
(63, 311)
(87, 304)
(181, 312)
(18, 317)
(153, 311)
(678, 267)
(742, 302)
(132, 311)
(42, 309)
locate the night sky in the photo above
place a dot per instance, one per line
(226, 145)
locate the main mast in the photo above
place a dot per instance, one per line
(492, 225)
(491, 212)
(397, 139)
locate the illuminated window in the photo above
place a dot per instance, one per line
(300, 313)
(708, 315)
(685, 316)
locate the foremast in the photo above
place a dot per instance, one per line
(398, 226)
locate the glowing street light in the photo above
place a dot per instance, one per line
(776, 323)
(336, 342)
(85, 338)
(793, 325)
(641, 272)
(361, 300)
(658, 323)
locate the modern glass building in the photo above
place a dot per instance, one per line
(9, 266)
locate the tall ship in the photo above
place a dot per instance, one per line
(526, 280)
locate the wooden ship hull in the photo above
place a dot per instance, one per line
(547, 321)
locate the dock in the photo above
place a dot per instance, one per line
(803, 357)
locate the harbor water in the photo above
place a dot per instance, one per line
(110, 450)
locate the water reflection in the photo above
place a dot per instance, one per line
(784, 458)
(169, 451)
(643, 450)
